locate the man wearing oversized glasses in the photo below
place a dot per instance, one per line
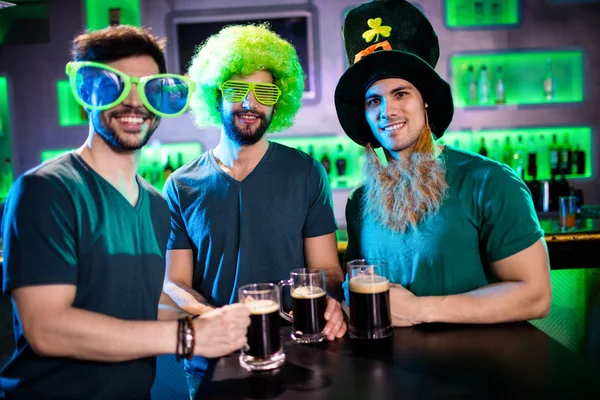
(85, 240)
(249, 210)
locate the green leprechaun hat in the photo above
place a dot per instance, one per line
(384, 39)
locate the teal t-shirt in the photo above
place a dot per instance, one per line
(488, 215)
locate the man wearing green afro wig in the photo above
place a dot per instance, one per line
(249, 210)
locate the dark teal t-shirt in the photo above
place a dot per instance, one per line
(64, 224)
(488, 215)
(250, 231)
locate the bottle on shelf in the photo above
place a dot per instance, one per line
(518, 161)
(543, 156)
(168, 169)
(311, 150)
(507, 152)
(500, 98)
(578, 164)
(340, 161)
(496, 11)
(180, 162)
(549, 82)
(554, 156)
(114, 16)
(325, 161)
(566, 156)
(495, 151)
(478, 11)
(484, 86)
(482, 149)
(470, 86)
(531, 159)
(6, 178)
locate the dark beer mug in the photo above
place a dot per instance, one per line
(264, 349)
(307, 289)
(370, 315)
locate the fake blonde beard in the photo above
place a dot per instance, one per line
(405, 192)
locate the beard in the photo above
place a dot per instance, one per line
(241, 136)
(405, 192)
(121, 140)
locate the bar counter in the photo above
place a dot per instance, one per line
(429, 361)
(573, 248)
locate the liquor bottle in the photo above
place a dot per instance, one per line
(566, 156)
(478, 12)
(325, 161)
(496, 153)
(543, 157)
(553, 189)
(531, 159)
(180, 162)
(507, 152)
(496, 11)
(499, 86)
(114, 16)
(578, 165)
(470, 86)
(484, 86)
(340, 161)
(518, 161)
(7, 178)
(554, 154)
(311, 150)
(549, 82)
(168, 169)
(482, 150)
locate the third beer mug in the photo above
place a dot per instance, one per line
(370, 316)
(308, 304)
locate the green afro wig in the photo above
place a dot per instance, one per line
(244, 50)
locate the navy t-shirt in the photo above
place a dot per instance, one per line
(65, 224)
(250, 231)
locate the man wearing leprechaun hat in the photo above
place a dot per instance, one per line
(459, 231)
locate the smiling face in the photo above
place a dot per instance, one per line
(395, 112)
(246, 121)
(129, 125)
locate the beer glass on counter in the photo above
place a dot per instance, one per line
(307, 289)
(264, 349)
(370, 314)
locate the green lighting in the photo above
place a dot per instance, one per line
(576, 136)
(6, 172)
(97, 12)
(481, 13)
(70, 112)
(330, 146)
(572, 298)
(524, 76)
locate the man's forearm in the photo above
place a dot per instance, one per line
(187, 298)
(87, 335)
(495, 303)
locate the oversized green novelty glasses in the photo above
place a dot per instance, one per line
(266, 94)
(97, 86)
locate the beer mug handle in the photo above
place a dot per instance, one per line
(283, 314)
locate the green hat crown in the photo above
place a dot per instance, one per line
(389, 25)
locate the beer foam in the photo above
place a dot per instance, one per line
(308, 292)
(367, 284)
(262, 306)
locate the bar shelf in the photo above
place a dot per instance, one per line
(482, 14)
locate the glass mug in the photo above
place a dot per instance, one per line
(370, 314)
(264, 350)
(307, 289)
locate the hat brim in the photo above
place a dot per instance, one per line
(350, 92)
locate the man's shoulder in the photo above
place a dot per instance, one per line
(291, 156)
(62, 170)
(472, 164)
(197, 169)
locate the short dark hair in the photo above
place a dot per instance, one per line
(116, 42)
